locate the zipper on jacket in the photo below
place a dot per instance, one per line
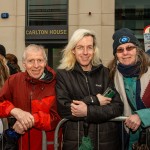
(86, 80)
(92, 102)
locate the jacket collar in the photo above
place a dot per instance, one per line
(78, 68)
(49, 76)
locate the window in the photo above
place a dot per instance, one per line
(133, 14)
(46, 12)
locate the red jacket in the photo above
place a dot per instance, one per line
(37, 97)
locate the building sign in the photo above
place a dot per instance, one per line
(57, 32)
(147, 38)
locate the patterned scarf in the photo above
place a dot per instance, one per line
(129, 70)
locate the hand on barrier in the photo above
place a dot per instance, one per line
(18, 127)
(133, 122)
(25, 118)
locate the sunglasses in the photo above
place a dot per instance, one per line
(128, 48)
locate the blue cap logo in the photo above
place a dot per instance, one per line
(124, 39)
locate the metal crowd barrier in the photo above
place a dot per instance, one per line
(56, 133)
(3, 127)
(56, 143)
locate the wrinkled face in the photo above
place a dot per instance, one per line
(34, 63)
(127, 53)
(84, 52)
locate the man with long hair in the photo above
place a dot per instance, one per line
(81, 82)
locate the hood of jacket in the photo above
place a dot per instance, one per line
(50, 75)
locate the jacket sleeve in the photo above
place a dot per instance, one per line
(91, 100)
(97, 114)
(144, 116)
(45, 113)
(64, 98)
(5, 108)
(5, 104)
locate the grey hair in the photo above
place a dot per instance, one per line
(68, 60)
(34, 47)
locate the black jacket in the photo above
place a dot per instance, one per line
(79, 85)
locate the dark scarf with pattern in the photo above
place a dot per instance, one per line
(129, 70)
(133, 71)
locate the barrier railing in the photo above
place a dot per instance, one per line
(56, 143)
(2, 128)
(56, 133)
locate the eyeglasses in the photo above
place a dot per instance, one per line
(128, 48)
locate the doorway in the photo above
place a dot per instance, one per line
(54, 54)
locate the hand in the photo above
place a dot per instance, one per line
(78, 108)
(103, 100)
(18, 127)
(133, 122)
(25, 118)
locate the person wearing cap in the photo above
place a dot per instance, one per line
(130, 70)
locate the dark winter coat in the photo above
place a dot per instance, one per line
(78, 85)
